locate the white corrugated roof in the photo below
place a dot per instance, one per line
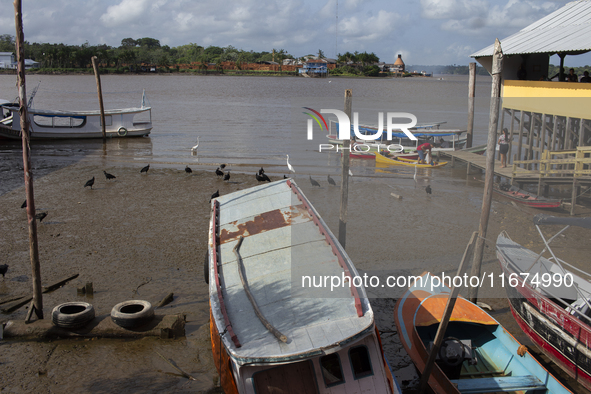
(567, 29)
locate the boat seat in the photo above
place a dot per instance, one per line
(499, 384)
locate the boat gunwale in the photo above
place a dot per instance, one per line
(303, 353)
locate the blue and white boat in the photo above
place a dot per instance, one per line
(477, 355)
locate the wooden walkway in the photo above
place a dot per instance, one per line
(479, 161)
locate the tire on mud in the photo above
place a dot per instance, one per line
(132, 313)
(72, 314)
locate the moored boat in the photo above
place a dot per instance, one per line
(442, 140)
(270, 332)
(477, 355)
(526, 198)
(47, 124)
(409, 163)
(550, 299)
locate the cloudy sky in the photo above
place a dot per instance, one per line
(425, 32)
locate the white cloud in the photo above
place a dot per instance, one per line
(453, 9)
(477, 17)
(128, 11)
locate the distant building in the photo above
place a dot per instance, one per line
(314, 68)
(7, 60)
(398, 66)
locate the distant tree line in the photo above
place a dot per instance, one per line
(134, 52)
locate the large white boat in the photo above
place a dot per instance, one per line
(272, 330)
(48, 124)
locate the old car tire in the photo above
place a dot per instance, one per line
(122, 132)
(133, 313)
(72, 314)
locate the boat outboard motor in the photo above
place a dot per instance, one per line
(452, 354)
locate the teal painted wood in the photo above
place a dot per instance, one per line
(503, 384)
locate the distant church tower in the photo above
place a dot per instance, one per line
(399, 64)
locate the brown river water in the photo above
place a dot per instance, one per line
(142, 237)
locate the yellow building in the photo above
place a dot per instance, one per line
(549, 119)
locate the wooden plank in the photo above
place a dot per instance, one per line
(511, 136)
(520, 142)
(499, 384)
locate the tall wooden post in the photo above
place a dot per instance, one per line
(471, 94)
(100, 96)
(37, 304)
(345, 175)
(497, 67)
(449, 307)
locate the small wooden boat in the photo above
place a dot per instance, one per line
(46, 124)
(523, 197)
(362, 155)
(477, 356)
(273, 329)
(550, 299)
(385, 160)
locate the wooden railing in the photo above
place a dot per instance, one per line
(564, 163)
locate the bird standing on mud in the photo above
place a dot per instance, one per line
(41, 216)
(331, 181)
(109, 176)
(289, 165)
(188, 170)
(428, 189)
(262, 177)
(145, 169)
(89, 183)
(219, 172)
(227, 176)
(3, 269)
(314, 182)
(24, 205)
(214, 195)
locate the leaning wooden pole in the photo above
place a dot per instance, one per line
(345, 175)
(37, 303)
(471, 94)
(497, 67)
(449, 307)
(100, 96)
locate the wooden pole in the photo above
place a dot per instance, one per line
(100, 96)
(511, 137)
(345, 175)
(497, 67)
(449, 307)
(471, 94)
(37, 303)
(500, 130)
(520, 141)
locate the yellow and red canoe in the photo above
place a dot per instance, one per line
(406, 162)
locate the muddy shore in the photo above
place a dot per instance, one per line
(142, 236)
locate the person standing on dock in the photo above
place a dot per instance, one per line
(422, 150)
(504, 147)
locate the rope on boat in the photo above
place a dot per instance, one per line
(257, 311)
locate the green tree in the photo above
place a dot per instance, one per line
(128, 43)
(7, 43)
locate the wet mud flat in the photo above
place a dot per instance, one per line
(141, 236)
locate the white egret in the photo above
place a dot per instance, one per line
(289, 165)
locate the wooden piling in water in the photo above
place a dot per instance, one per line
(471, 94)
(497, 68)
(345, 175)
(100, 96)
